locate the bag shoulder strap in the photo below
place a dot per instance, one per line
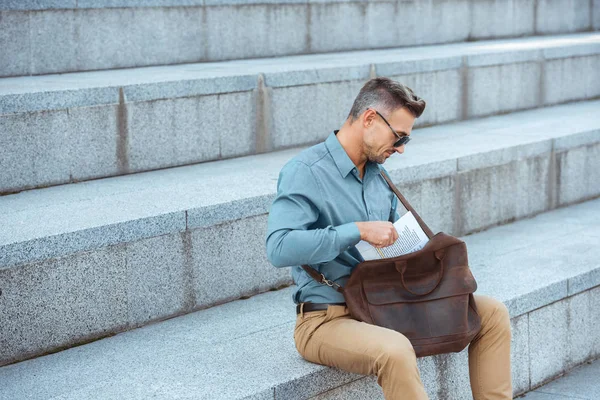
(406, 204)
(317, 276)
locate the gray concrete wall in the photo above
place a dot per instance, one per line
(44, 37)
(119, 123)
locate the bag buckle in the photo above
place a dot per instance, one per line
(326, 281)
(329, 283)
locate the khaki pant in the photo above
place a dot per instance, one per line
(331, 337)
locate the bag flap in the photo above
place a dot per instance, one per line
(456, 281)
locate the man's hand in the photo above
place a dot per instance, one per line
(378, 233)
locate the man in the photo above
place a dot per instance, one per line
(331, 196)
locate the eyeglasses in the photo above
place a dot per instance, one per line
(401, 139)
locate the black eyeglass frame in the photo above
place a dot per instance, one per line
(401, 139)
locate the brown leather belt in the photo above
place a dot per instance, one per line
(316, 306)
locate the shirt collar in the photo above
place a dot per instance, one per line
(339, 155)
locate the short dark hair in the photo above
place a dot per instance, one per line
(386, 95)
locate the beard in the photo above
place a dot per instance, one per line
(374, 157)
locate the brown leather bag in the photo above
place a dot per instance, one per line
(426, 295)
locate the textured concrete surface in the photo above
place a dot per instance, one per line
(62, 220)
(109, 34)
(194, 352)
(133, 120)
(581, 383)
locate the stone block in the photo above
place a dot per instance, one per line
(37, 4)
(146, 36)
(135, 3)
(61, 302)
(293, 125)
(519, 353)
(33, 95)
(595, 320)
(569, 79)
(561, 16)
(93, 148)
(226, 212)
(441, 90)
(228, 31)
(452, 375)
(416, 63)
(548, 332)
(172, 132)
(578, 174)
(482, 198)
(431, 21)
(405, 171)
(514, 276)
(434, 201)
(491, 19)
(484, 153)
(229, 261)
(428, 370)
(381, 28)
(237, 124)
(588, 136)
(14, 42)
(501, 88)
(47, 42)
(362, 389)
(32, 150)
(71, 227)
(580, 334)
(308, 75)
(580, 383)
(308, 385)
(328, 32)
(494, 56)
(159, 278)
(584, 282)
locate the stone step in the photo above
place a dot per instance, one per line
(65, 128)
(581, 383)
(57, 36)
(83, 261)
(545, 269)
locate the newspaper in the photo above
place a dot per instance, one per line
(411, 238)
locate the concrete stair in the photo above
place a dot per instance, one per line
(108, 34)
(65, 128)
(579, 384)
(83, 261)
(545, 269)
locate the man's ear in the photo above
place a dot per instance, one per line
(367, 117)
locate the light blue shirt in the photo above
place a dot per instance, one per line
(319, 198)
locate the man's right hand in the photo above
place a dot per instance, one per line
(378, 233)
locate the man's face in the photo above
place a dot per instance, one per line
(379, 139)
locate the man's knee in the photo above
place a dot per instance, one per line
(499, 315)
(396, 351)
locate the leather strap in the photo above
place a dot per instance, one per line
(407, 205)
(317, 276)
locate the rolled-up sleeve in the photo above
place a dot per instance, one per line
(295, 209)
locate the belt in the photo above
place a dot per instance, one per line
(316, 306)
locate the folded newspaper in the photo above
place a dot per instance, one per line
(411, 238)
